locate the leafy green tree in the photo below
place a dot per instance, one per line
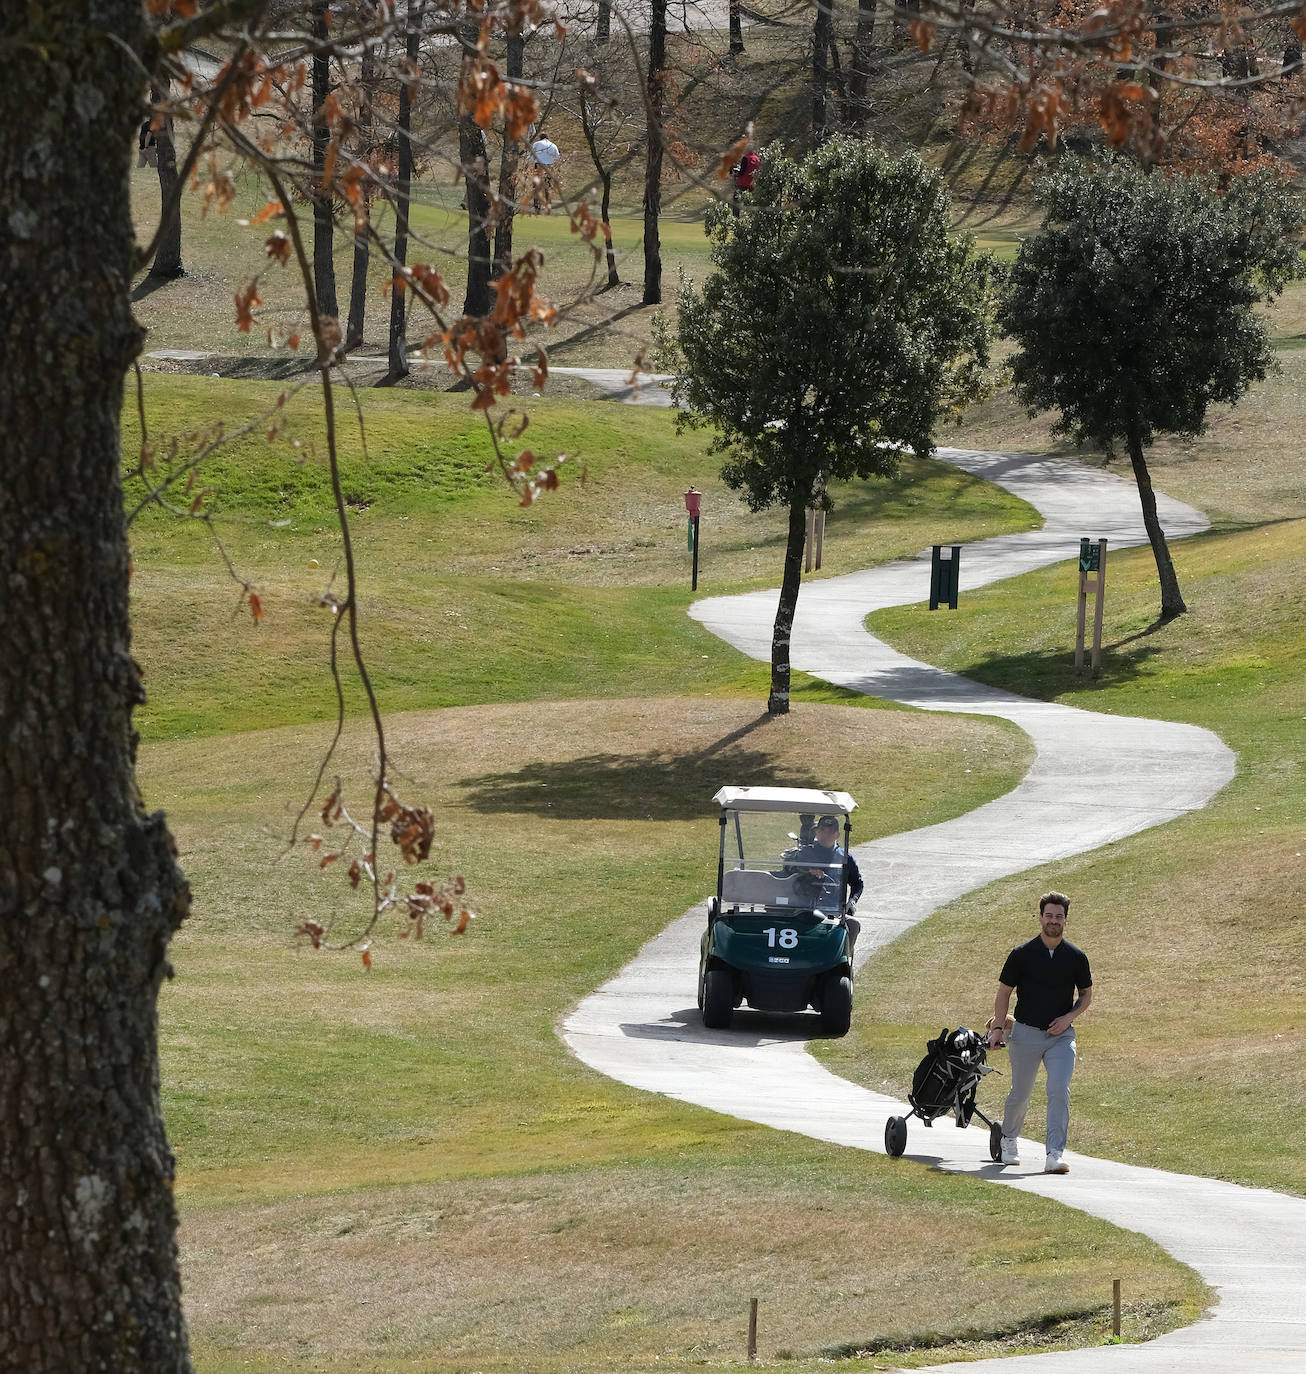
(842, 320)
(1134, 308)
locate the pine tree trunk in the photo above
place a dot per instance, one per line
(777, 704)
(1172, 603)
(508, 165)
(603, 28)
(736, 26)
(167, 257)
(398, 362)
(657, 61)
(90, 892)
(324, 266)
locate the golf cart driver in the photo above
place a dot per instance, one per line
(822, 866)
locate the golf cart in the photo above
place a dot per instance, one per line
(775, 936)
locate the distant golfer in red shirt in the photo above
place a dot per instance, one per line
(745, 169)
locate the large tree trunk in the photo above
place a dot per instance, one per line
(324, 266)
(657, 61)
(362, 241)
(603, 28)
(398, 360)
(858, 111)
(508, 165)
(778, 702)
(90, 893)
(167, 257)
(1172, 603)
(736, 26)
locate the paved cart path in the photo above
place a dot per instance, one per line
(643, 1028)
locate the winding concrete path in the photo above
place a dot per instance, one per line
(643, 1028)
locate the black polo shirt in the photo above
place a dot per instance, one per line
(1045, 980)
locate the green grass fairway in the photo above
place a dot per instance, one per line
(404, 1169)
(466, 596)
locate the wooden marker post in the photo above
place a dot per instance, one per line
(815, 538)
(1092, 563)
(752, 1328)
(1115, 1307)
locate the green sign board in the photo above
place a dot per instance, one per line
(1090, 556)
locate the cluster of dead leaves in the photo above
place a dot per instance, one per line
(411, 829)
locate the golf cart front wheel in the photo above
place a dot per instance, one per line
(837, 1005)
(718, 998)
(895, 1136)
(995, 1142)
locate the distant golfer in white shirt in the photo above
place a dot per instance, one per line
(544, 184)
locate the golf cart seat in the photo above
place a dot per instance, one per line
(754, 887)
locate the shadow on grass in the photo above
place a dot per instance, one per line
(651, 785)
(1047, 675)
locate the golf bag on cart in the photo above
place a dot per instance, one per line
(944, 1084)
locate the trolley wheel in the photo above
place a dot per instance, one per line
(995, 1142)
(895, 1136)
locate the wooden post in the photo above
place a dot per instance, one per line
(1115, 1307)
(752, 1328)
(820, 536)
(1079, 619)
(1097, 609)
(810, 542)
(1092, 559)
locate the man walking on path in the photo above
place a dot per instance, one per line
(1053, 985)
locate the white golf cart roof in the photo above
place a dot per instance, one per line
(783, 799)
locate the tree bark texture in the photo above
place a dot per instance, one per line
(777, 704)
(167, 257)
(508, 165)
(90, 892)
(1172, 602)
(398, 359)
(603, 26)
(362, 242)
(324, 265)
(657, 61)
(736, 26)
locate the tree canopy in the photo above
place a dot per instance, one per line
(843, 319)
(1134, 307)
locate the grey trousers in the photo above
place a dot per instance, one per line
(1028, 1048)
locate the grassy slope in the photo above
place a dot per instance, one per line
(454, 573)
(427, 1113)
(1197, 1029)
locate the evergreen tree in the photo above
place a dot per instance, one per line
(1134, 308)
(842, 320)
